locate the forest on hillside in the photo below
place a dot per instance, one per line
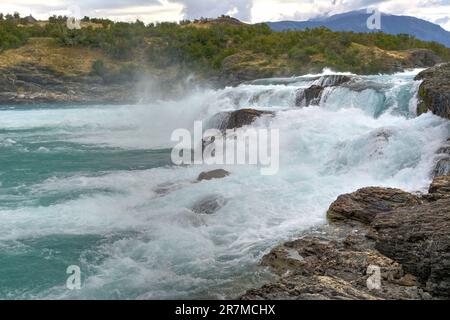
(203, 45)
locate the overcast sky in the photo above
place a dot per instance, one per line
(437, 11)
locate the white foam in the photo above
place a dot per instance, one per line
(172, 252)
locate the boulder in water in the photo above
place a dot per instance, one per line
(244, 117)
(439, 188)
(309, 96)
(236, 119)
(313, 94)
(332, 80)
(214, 174)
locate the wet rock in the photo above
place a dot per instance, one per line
(313, 94)
(236, 119)
(214, 174)
(333, 263)
(364, 204)
(309, 96)
(443, 165)
(440, 188)
(314, 287)
(332, 80)
(419, 239)
(434, 92)
(209, 205)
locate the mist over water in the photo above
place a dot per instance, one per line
(94, 186)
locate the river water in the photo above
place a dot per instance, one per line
(81, 185)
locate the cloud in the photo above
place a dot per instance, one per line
(246, 10)
(240, 9)
(443, 20)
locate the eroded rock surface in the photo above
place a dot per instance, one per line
(419, 239)
(334, 265)
(434, 92)
(364, 204)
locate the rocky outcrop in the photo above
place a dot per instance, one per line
(28, 84)
(439, 189)
(214, 174)
(419, 239)
(364, 204)
(381, 243)
(334, 263)
(443, 165)
(313, 94)
(434, 92)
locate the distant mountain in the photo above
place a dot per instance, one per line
(356, 21)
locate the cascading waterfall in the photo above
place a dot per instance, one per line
(94, 186)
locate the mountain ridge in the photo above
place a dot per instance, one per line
(356, 21)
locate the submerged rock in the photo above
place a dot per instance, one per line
(214, 174)
(434, 92)
(209, 205)
(364, 204)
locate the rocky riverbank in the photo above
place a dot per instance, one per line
(380, 243)
(404, 237)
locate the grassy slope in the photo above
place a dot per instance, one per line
(78, 60)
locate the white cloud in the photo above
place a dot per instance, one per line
(240, 9)
(246, 10)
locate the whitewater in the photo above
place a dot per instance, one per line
(94, 186)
